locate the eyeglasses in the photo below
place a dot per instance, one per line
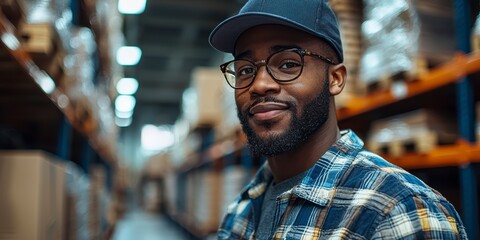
(283, 66)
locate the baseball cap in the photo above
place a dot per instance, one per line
(312, 16)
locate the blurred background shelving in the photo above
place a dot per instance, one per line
(181, 153)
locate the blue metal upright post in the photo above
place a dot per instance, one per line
(64, 139)
(87, 156)
(466, 121)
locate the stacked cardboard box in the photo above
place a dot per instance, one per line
(32, 186)
(206, 212)
(42, 42)
(96, 207)
(202, 105)
(350, 16)
(233, 182)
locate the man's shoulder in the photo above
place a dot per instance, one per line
(371, 173)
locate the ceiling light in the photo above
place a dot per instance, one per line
(131, 6)
(125, 103)
(127, 86)
(10, 41)
(123, 122)
(157, 138)
(121, 114)
(128, 55)
(45, 82)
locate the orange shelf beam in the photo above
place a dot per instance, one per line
(452, 71)
(456, 155)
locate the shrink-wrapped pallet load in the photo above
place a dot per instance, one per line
(390, 31)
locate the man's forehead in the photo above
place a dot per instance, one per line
(273, 38)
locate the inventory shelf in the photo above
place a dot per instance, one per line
(457, 155)
(38, 93)
(450, 72)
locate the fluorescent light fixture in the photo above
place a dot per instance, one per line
(45, 82)
(131, 6)
(157, 138)
(127, 86)
(123, 122)
(125, 103)
(10, 41)
(121, 114)
(129, 55)
(63, 101)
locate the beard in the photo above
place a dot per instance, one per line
(313, 115)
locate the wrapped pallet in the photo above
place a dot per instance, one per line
(56, 13)
(417, 131)
(403, 38)
(390, 31)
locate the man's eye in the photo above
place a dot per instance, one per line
(245, 71)
(289, 64)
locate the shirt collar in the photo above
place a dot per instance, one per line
(319, 183)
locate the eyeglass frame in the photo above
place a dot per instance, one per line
(302, 52)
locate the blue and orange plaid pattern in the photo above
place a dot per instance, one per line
(350, 193)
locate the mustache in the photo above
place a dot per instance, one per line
(268, 99)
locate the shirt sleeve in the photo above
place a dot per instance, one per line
(417, 218)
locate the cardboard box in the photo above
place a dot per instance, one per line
(33, 196)
(207, 201)
(202, 102)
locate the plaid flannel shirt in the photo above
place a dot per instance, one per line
(349, 193)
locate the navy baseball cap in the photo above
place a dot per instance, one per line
(312, 16)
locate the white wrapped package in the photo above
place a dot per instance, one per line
(390, 32)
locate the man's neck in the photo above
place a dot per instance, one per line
(303, 157)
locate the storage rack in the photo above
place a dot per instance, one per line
(455, 85)
(39, 115)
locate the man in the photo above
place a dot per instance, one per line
(318, 182)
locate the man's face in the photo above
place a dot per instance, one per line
(276, 117)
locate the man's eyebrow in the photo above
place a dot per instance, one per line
(277, 48)
(243, 55)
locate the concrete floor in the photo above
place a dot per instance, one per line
(142, 225)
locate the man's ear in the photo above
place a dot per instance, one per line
(337, 78)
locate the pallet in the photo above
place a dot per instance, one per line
(385, 82)
(40, 40)
(421, 143)
(43, 44)
(417, 131)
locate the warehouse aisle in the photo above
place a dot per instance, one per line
(142, 225)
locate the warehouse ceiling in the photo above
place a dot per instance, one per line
(173, 36)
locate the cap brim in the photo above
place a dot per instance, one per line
(225, 35)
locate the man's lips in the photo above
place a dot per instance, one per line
(267, 110)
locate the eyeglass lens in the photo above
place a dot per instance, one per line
(282, 66)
